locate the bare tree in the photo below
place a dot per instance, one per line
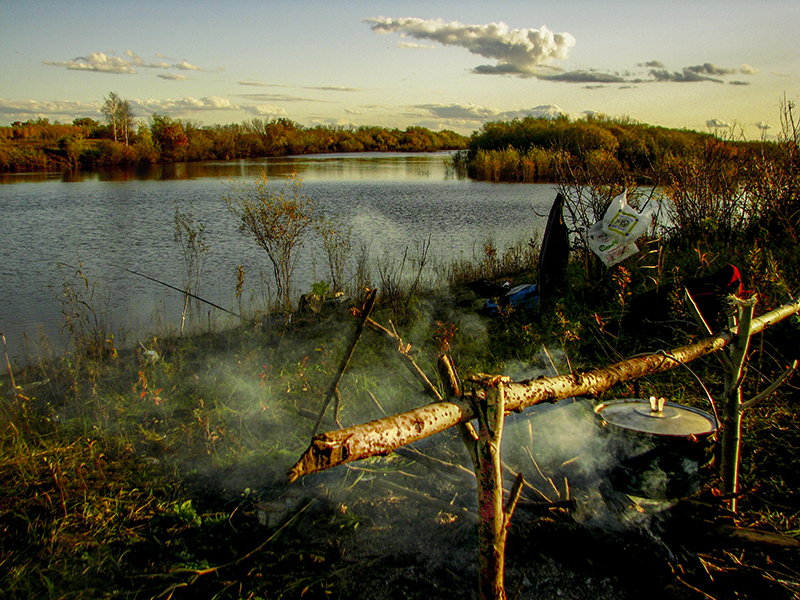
(338, 246)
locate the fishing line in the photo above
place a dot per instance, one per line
(181, 291)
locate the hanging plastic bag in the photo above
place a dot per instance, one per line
(624, 223)
(608, 248)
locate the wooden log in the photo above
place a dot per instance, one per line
(382, 436)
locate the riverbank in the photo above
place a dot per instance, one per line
(160, 470)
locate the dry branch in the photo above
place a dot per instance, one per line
(333, 391)
(384, 435)
(403, 351)
(459, 511)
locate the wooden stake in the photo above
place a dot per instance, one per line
(732, 407)
(490, 408)
(733, 366)
(452, 387)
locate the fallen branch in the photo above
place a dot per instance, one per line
(403, 352)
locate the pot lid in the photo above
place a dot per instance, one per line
(655, 416)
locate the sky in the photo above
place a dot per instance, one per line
(723, 66)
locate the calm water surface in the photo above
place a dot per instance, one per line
(113, 221)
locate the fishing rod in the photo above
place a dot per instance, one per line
(182, 291)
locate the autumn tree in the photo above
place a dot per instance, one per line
(169, 136)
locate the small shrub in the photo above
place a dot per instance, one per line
(279, 221)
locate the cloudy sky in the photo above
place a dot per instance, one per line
(696, 64)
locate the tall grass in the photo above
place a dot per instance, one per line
(513, 165)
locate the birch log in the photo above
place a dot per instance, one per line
(382, 436)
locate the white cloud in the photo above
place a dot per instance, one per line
(710, 69)
(333, 88)
(98, 62)
(687, 75)
(185, 66)
(172, 76)
(139, 61)
(183, 106)
(763, 125)
(66, 112)
(22, 110)
(264, 110)
(583, 76)
(415, 46)
(518, 51)
(280, 98)
(262, 84)
(474, 115)
(705, 72)
(468, 112)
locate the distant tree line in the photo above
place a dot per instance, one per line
(87, 144)
(553, 150)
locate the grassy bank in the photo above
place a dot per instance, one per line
(158, 471)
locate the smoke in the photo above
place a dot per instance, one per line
(564, 453)
(519, 51)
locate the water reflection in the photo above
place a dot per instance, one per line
(342, 167)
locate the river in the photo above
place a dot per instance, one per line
(111, 223)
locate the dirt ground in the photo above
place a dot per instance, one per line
(396, 528)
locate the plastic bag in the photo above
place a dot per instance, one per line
(624, 223)
(608, 248)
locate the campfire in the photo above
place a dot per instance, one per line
(599, 505)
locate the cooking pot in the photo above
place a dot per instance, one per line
(661, 450)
